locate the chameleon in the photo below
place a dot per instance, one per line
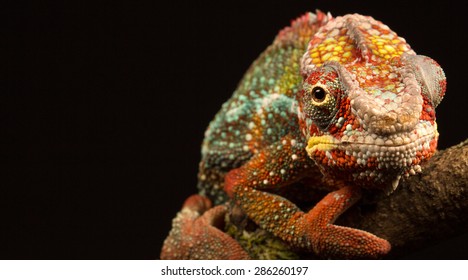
(345, 96)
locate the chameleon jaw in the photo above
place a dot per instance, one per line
(398, 143)
(367, 162)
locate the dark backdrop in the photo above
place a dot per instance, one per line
(105, 106)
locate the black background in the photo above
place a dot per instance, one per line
(105, 105)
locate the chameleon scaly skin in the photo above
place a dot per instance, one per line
(344, 95)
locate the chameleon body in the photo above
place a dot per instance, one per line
(345, 95)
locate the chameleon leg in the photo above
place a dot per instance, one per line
(338, 241)
(194, 234)
(312, 231)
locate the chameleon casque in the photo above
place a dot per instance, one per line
(344, 95)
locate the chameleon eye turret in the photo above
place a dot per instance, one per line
(318, 99)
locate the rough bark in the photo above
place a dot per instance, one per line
(426, 208)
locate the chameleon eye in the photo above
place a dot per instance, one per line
(320, 97)
(319, 94)
(319, 105)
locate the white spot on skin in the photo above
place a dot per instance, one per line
(337, 196)
(294, 156)
(339, 122)
(265, 182)
(248, 137)
(282, 171)
(267, 100)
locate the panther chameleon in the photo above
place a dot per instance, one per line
(343, 95)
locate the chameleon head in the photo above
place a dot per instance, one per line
(367, 103)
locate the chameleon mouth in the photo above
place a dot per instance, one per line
(321, 143)
(395, 144)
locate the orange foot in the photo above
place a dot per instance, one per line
(329, 240)
(195, 233)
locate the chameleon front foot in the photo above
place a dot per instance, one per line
(333, 241)
(195, 235)
(313, 230)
